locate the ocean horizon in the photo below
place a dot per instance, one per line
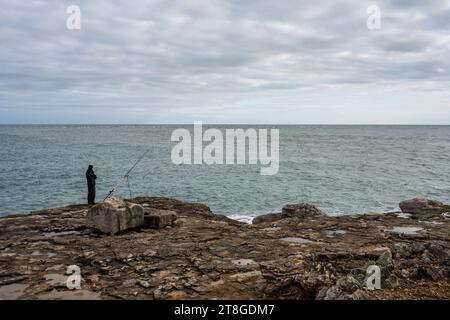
(342, 169)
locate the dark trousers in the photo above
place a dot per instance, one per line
(91, 194)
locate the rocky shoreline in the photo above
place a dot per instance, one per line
(184, 251)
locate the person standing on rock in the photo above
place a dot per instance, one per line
(91, 177)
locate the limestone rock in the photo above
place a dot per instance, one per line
(190, 209)
(423, 206)
(271, 217)
(439, 253)
(203, 256)
(392, 281)
(115, 215)
(158, 219)
(346, 288)
(428, 272)
(385, 258)
(435, 273)
(402, 251)
(301, 210)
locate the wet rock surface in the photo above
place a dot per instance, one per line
(205, 256)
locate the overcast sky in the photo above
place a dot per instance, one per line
(277, 61)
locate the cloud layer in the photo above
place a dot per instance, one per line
(263, 61)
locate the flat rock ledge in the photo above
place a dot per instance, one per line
(184, 251)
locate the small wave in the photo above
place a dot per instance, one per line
(241, 218)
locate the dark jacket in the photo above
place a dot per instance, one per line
(90, 177)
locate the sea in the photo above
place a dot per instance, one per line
(340, 169)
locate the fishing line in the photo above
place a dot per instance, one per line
(126, 176)
(129, 187)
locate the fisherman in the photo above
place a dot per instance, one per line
(91, 177)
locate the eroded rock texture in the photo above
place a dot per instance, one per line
(201, 255)
(423, 206)
(115, 215)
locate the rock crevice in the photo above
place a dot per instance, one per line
(184, 251)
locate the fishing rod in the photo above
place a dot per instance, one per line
(126, 176)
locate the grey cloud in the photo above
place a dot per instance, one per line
(170, 59)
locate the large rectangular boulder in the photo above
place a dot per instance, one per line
(113, 216)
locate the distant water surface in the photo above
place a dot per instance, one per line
(341, 169)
